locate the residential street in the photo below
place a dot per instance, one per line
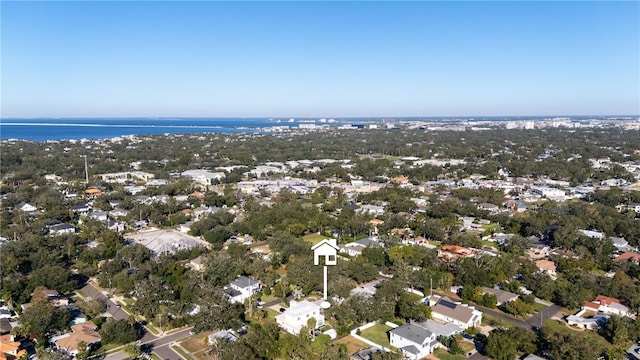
(634, 351)
(166, 353)
(161, 345)
(115, 311)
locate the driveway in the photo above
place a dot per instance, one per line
(478, 356)
(537, 319)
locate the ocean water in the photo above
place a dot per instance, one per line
(40, 130)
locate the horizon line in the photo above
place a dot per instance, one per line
(174, 117)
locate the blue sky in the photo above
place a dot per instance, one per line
(317, 59)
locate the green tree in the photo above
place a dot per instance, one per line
(118, 332)
(501, 345)
(518, 308)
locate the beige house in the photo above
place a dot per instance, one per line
(81, 333)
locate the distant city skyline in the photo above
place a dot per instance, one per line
(319, 59)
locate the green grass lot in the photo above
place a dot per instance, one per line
(272, 313)
(378, 334)
(107, 347)
(593, 337)
(197, 345)
(495, 227)
(442, 354)
(314, 238)
(496, 322)
(267, 298)
(537, 307)
(488, 244)
(182, 353)
(197, 342)
(153, 329)
(352, 343)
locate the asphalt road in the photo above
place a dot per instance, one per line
(115, 311)
(166, 339)
(631, 352)
(161, 346)
(167, 353)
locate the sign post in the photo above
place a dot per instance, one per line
(327, 249)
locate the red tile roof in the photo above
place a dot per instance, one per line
(628, 256)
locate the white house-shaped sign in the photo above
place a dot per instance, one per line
(327, 248)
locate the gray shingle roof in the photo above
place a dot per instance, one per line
(412, 332)
(244, 282)
(452, 310)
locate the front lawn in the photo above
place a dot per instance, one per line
(272, 313)
(442, 354)
(537, 307)
(352, 343)
(590, 336)
(489, 320)
(197, 345)
(378, 334)
(181, 352)
(314, 238)
(267, 298)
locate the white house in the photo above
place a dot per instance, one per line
(592, 234)
(590, 323)
(116, 225)
(608, 305)
(620, 243)
(551, 193)
(461, 315)
(328, 249)
(99, 216)
(222, 335)
(80, 209)
(26, 207)
(61, 229)
(413, 340)
(494, 209)
(298, 314)
(204, 177)
(241, 289)
(116, 213)
(355, 248)
(371, 210)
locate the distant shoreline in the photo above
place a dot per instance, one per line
(60, 129)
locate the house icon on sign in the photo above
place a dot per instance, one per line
(327, 248)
